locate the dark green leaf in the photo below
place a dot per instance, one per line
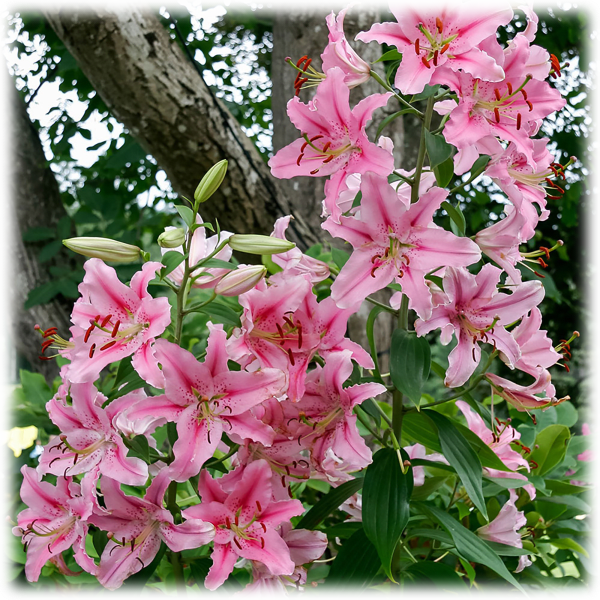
(480, 163)
(550, 447)
(444, 172)
(457, 217)
(215, 263)
(440, 574)
(171, 260)
(125, 369)
(420, 428)
(356, 564)
(39, 234)
(410, 363)
(49, 251)
(463, 458)
(328, 503)
(431, 534)
(390, 55)
(63, 228)
(418, 586)
(386, 503)
(140, 578)
(340, 258)
(371, 339)
(438, 149)
(186, 214)
(504, 550)
(35, 388)
(221, 313)
(563, 488)
(469, 545)
(343, 530)
(428, 91)
(200, 567)
(99, 539)
(430, 485)
(139, 446)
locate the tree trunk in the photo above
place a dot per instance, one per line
(155, 91)
(36, 203)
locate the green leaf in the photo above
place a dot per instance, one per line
(550, 448)
(371, 339)
(39, 234)
(186, 213)
(430, 485)
(356, 564)
(457, 217)
(221, 313)
(341, 530)
(171, 260)
(140, 578)
(444, 172)
(140, 447)
(410, 363)
(568, 544)
(440, 574)
(431, 534)
(340, 258)
(386, 503)
(438, 149)
(418, 586)
(420, 428)
(200, 567)
(390, 55)
(99, 539)
(35, 388)
(390, 118)
(504, 550)
(49, 251)
(463, 458)
(125, 370)
(328, 503)
(480, 163)
(428, 91)
(216, 263)
(563, 488)
(469, 545)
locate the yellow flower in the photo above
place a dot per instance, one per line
(20, 438)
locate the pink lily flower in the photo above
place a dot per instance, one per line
(522, 181)
(525, 397)
(305, 546)
(333, 136)
(200, 248)
(445, 38)
(419, 451)
(117, 320)
(499, 440)
(477, 312)
(586, 455)
(393, 242)
(88, 439)
(536, 347)
(283, 326)
(504, 529)
(245, 520)
(327, 406)
(510, 109)
(203, 397)
(137, 526)
(294, 261)
(339, 53)
(56, 520)
(341, 190)
(501, 241)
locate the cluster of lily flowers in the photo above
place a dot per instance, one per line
(285, 405)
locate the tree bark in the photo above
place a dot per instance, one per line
(155, 91)
(36, 203)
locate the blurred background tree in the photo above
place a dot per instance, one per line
(117, 114)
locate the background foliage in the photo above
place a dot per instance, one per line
(112, 188)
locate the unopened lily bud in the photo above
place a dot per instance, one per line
(210, 182)
(103, 248)
(171, 238)
(259, 244)
(241, 280)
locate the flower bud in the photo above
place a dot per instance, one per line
(104, 248)
(241, 280)
(210, 182)
(259, 244)
(171, 238)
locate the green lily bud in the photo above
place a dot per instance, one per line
(171, 238)
(104, 248)
(259, 244)
(210, 182)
